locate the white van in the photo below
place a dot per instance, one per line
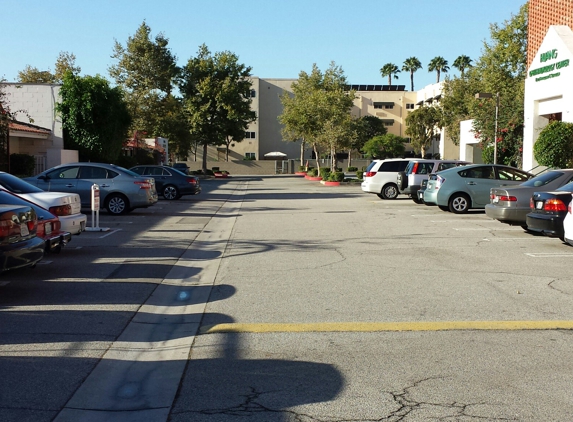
(380, 177)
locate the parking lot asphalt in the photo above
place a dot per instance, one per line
(279, 299)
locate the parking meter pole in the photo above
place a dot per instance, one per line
(95, 211)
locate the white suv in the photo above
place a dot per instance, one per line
(410, 180)
(380, 177)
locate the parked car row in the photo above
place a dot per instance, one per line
(40, 214)
(538, 203)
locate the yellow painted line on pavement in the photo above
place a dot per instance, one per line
(330, 327)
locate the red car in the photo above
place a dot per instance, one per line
(48, 225)
(19, 245)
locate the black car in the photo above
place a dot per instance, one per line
(182, 167)
(170, 183)
(19, 245)
(548, 210)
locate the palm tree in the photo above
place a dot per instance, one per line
(462, 63)
(438, 64)
(411, 64)
(390, 69)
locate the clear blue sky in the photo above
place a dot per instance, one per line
(277, 38)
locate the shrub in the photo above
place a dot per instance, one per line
(352, 169)
(215, 169)
(312, 172)
(22, 164)
(554, 146)
(360, 175)
(336, 176)
(324, 172)
(301, 168)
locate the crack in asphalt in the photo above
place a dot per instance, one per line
(406, 406)
(550, 285)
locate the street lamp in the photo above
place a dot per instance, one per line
(490, 95)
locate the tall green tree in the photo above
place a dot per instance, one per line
(500, 69)
(412, 65)
(216, 96)
(364, 129)
(94, 115)
(462, 63)
(385, 146)
(318, 112)
(422, 126)
(146, 70)
(389, 70)
(439, 65)
(66, 62)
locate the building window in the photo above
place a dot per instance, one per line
(252, 94)
(410, 106)
(388, 122)
(250, 156)
(250, 135)
(384, 105)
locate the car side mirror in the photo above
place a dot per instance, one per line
(43, 177)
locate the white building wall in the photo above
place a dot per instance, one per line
(38, 101)
(548, 87)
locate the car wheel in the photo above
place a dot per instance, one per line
(459, 203)
(524, 227)
(379, 195)
(117, 204)
(443, 208)
(390, 191)
(170, 192)
(417, 200)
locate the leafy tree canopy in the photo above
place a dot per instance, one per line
(94, 117)
(216, 96)
(66, 62)
(385, 146)
(422, 125)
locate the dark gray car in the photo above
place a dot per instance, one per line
(121, 190)
(171, 183)
(510, 205)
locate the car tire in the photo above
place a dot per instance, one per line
(170, 192)
(417, 200)
(444, 208)
(459, 203)
(379, 195)
(390, 191)
(117, 204)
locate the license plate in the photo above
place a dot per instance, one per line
(539, 205)
(24, 230)
(48, 228)
(421, 195)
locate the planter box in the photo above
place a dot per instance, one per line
(327, 183)
(300, 173)
(221, 175)
(314, 179)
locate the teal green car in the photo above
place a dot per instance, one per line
(462, 188)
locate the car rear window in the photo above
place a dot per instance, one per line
(372, 164)
(543, 179)
(17, 185)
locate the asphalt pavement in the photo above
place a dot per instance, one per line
(281, 299)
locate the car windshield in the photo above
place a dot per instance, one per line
(17, 185)
(174, 170)
(542, 179)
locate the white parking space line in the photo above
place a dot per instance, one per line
(44, 262)
(550, 255)
(110, 233)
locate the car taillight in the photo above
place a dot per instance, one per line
(415, 168)
(6, 229)
(41, 230)
(507, 198)
(61, 210)
(192, 181)
(554, 205)
(143, 185)
(370, 174)
(439, 181)
(531, 203)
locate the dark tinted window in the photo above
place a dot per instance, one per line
(90, 172)
(393, 166)
(138, 170)
(543, 179)
(567, 188)
(482, 172)
(64, 173)
(372, 164)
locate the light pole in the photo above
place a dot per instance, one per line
(490, 95)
